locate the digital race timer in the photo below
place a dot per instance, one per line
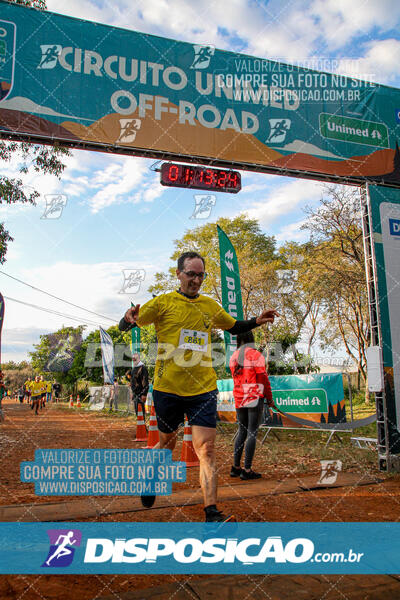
(201, 178)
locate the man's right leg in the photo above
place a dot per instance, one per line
(167, 440)
(169, 415)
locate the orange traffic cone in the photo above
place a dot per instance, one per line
(141, 431)
(78, 402)
(188, 454)
(154, 436)
(71, 401)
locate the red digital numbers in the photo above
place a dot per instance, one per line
(221, 179)
(233, 178)
(203, 178)
(208, 177)
(173, 173)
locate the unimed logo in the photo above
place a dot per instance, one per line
(191, 550)
(394, 227)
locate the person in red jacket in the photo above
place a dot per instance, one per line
(251, 386)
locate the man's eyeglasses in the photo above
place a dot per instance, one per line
(193, 275)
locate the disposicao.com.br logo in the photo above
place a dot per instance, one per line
(214, 550)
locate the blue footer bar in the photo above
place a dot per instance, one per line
(208, 548)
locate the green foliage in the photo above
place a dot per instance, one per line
(334, 272)
(40, 4)
(42, 354)
(87, 365)
(31, 157)
(148, 343)
(11, 365)
(255, 251)
(258, 261)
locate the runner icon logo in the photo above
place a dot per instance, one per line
(202, 56)
(55, 204)
(61, 551)
(50, 54)
(287, 279)
(129, 128)
(329, 471)
(279, 129)
(203, 205)
(132, 280)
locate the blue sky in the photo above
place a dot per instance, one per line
(117, 216)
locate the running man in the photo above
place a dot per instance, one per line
(49, 56)
(20, 394)
(185, 382)
(43, 392)
(27, 390)
(48, 391)
(62, 549)
(36, 393)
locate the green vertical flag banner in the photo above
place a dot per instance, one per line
(230, 288)
(135, 333)
(135, 339)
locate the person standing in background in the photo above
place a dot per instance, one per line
(57, 391)
(139, 382)
(114, 395)
(48, 391)
(251, 386)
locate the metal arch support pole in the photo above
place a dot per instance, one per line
(376, 334)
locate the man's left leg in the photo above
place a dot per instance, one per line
(204, 444)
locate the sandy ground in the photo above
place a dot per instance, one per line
(55, 427)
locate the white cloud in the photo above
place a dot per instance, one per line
(18, 341)
(99, 179)
(93, 286)
(83, 9)
(292, 232)
(340, 21)
(124, 180)
(275, 30)
(283, 200)
(380, 62)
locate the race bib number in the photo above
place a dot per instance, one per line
(190, 339)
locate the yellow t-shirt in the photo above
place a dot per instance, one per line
(28, 385)
(183, 326)
(48, 387)
(36, 388)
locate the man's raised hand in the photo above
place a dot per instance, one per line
(132, 314)
(267, 316)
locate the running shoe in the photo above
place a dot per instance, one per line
(236, 471)
(245, 475)
(147, 501)
(217, 516)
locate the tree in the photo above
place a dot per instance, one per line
(336, 272)
(55, 354)
(258, 263)
(31, 157)
(256, 256)
(87, 364)
(300, 304)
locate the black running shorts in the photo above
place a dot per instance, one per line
(171, 410)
